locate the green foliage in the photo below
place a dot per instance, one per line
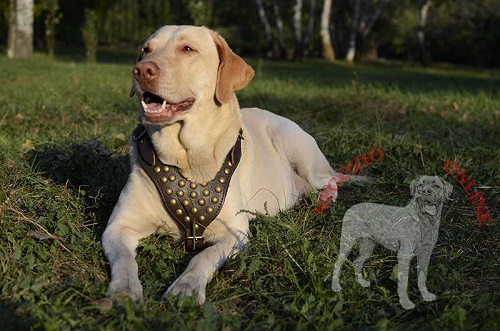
(63, 163)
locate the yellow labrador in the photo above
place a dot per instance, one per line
(186, 80)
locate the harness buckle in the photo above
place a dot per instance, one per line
(191, 243)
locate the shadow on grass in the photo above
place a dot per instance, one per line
(88, 169)
(407, 78)
(10, 319)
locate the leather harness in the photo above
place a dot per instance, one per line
(192, 205)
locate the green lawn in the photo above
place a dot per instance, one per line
(63, 162)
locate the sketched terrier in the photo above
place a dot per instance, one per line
(411, 230)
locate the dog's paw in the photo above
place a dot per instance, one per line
(363, 282)
(429, 296)
(127, 287)
(336, 285)
(188, 285)
(407, 304)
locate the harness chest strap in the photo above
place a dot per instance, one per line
(192, 205)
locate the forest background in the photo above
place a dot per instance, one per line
(440, 31)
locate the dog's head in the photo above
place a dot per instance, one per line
(181, 67)
(430, 193)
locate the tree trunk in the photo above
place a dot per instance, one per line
(280, 29)
(51, 22)
(297, 29)
(421, 31)
(369, 17)
(363, 23)
(267, 27)
(310, 27)
(351, 51)
(20, 38)
(326, 40)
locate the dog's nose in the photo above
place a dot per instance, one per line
(146, 74)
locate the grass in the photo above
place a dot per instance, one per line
(63, 162)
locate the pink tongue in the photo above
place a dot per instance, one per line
(431, 210)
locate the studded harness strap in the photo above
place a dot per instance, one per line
(192, 205)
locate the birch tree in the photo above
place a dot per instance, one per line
(297, 28)
(267, 27)
(326, 39)
(20, 37)
(280, 30)
(421, 31)
(310, 26)
(302, 39)
(366, 13)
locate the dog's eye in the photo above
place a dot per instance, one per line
(146, 50)
(187, 48)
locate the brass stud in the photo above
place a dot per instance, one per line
(185, 203)
(201, 218)
(205, 192)
(182, 183)
(163, 179)
(194, 210)
(196, 226)
(218, 189)
(171, 178)
(222, 180)
(193, 195)
(227, 171)
(166, 168)
(210, 210)
(156, 169)
(180, 193)
(215, 199)
(204, 184)
(173, 202)
(187, 219)
(169, 191)
(178, 212)
(201, 202)
(193, 186)
(229, 163)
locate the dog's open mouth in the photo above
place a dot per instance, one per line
(430, 206)
(156, 109)
(430, 209)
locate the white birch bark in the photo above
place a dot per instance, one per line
(20, 41)
(280, 29)
(421, 31)
(326, 40)
(310, 26)
(297, 28)
(351, 51)
(267, 26)
(363, 23)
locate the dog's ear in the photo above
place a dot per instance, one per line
(413, 185)
(233, 73)
(448, 188)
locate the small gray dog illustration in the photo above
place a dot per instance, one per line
(411, 230)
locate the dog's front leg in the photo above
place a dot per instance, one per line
(119, 245)
(404, 259)
(203, 266)
(422, 266)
